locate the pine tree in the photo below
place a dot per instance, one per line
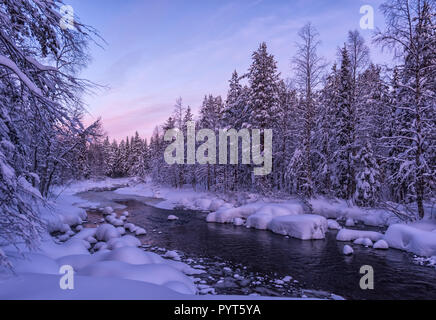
(345, 132)
(367, 177)
(263, 100)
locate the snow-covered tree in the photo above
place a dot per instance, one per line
(309, 69)
(368, 179)
(410, 33)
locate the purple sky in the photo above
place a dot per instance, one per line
(159, 50)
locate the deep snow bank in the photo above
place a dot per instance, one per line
(412, 239)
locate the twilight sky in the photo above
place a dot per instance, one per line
(158, 50)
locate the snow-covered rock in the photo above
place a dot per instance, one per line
(333, 224)
(347, 250)
(364, 242)
(140, 232)
(172, 217)
(304, 226)
(411, 239)
(121, 230)
(105, 232)
(238, 222)
(351, 235)
(350, 222)
(125, 241)
(108, 210)
(381, 244)
(172, 255)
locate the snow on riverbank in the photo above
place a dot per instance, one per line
(254, 211)
(109, 265)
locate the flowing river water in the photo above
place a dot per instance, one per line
(317, 265)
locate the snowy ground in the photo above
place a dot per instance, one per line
(108, 259)
(110, 263)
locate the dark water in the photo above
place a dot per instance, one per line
(317, 265)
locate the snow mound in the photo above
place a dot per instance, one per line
(105, 232)
(304, 227)
(351, 235)
(33, 263)
(363, 242)
(411, 239)
(238, 222)
(172, 217)
(125, 241)
(151, 273)
(172, 255)
(333, 224)
(348, 251)
(350, 222)
(133, 255)
(381, 244)
(265, 214)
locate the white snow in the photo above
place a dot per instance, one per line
(364, 242)
(381, 244)
(347, 250)
(105, 232)
(172, 255)
(305, 226)
(172, 217)
(351, 235)
(349, 223)
(333, 224)
(412, 239)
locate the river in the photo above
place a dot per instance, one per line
(316, 265)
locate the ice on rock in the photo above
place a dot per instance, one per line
(172, 217)
(347, 250)
(351, 235)
(381, 244)
(304, 226)
(333, 225)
